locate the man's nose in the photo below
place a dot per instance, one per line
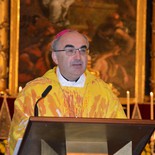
(78, 54)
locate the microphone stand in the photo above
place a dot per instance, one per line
(36, 107)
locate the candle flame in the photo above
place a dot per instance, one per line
(20, 88)
(151, 93)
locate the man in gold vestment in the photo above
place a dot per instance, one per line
(75, 91)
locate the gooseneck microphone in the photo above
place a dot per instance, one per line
(46, 91)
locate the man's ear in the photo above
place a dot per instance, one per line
(54, 57)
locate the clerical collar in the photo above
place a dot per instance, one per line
(64, 82)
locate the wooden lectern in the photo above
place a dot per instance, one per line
(68, 136)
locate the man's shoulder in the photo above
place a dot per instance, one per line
(48, 77)
(38, 81)
(98, 83)
(92, 78)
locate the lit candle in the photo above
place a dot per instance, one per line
(151, 106)
(20, 88)
(128, 104)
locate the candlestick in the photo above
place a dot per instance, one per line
(151, 106)
(128, 104)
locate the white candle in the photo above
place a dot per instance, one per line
(128, 104)
(151, 106)
(20, 89)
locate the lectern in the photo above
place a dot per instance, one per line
(67, 136)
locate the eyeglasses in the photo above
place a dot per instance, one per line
(70, 51)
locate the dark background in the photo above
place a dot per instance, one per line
(148, 47)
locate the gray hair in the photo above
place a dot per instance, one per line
(58, 37)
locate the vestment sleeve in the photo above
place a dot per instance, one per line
(19, 120)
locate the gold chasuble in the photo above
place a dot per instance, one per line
(94, 100)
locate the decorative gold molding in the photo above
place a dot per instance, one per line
(140, 48)
(4, 31)
(14, 43)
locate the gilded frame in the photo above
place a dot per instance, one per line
(140, 46)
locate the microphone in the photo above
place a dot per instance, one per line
(46, 91)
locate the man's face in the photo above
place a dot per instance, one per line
(71, 67)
